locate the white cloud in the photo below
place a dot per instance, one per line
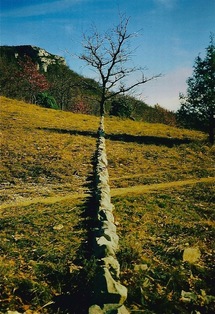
(165, 90)
(41, 9)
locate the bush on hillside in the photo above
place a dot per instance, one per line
(47, 101)
(121, 107)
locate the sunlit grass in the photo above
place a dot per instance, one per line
(46, 163)
(115, 125)
(43, 151)
(39, 247)
(162, 217)
(155, 153)
(155, 229)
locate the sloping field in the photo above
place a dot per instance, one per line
(44, 152)
(162, 182)
(163, 188)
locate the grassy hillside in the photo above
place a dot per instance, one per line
(162, 183)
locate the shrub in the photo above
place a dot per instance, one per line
(47, 101)
(121, 107)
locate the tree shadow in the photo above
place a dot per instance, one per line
(76, 295)
(127, 138)
(71, 132)
(147, 140)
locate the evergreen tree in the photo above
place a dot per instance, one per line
(198, 105)
(121, 107)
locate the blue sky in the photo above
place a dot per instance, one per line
(172, 33)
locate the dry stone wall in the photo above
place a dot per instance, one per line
(109, 294)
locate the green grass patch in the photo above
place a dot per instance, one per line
(155, 230)
(40, 252)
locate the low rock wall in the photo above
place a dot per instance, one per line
(108, 294)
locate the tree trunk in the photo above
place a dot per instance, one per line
(102, 108)
(211, 128)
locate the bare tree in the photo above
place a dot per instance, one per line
(109, 55)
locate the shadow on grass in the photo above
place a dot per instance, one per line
(127, 138)
(147, 140)
(76, 295)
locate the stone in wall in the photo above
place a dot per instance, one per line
(96, 309)
(108, 294)
(107, 290)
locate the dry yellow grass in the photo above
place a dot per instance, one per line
(162, 182)
(168, 154)
(44, 152)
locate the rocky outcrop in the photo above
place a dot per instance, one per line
(38, 55)
(47, 59)
(108, 294)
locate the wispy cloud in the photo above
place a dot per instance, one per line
(40, 9)
(168, 4)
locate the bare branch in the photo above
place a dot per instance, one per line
(124, 89)
(109, 55)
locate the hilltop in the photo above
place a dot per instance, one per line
(40, 56)
(162, 183)
(34, 75)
